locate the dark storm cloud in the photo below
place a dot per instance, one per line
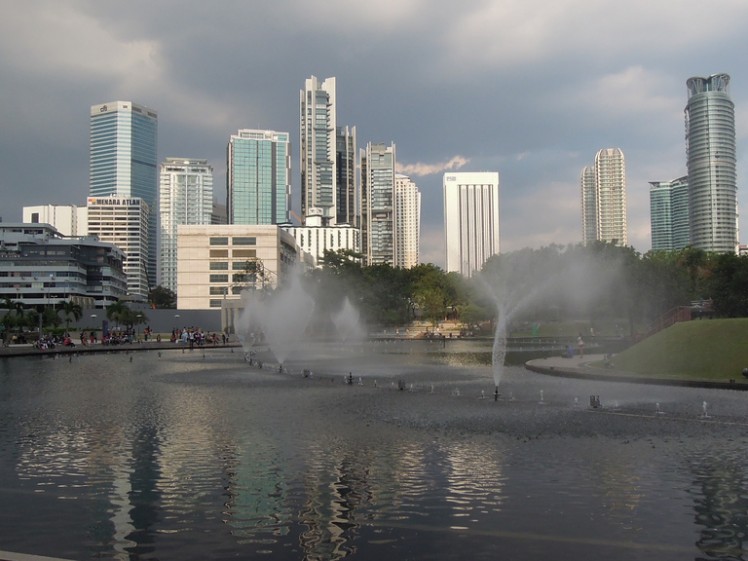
(523, 87)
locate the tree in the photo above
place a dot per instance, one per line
(71, 311)
(163, 298)
(117, 312)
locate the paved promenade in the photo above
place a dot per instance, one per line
(592, 367)
(30, 350)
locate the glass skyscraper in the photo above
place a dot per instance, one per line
(327, 158)
(711, 160)
(258, 177)
(378, 231)
(668, 211)
(123, 161)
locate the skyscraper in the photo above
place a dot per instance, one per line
(317, 149)
(122, 161)
(407, 222)
(711, 161)
(603, 189)
(185, 198)
(668, 212)
(327, 158)
(471, 220)
(589, 205)
(378, 233)
(258, 177)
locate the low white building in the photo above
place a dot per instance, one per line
(215, 263)
(69, 220)
(315, 239)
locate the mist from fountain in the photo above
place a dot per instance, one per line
(520, 281)
(282, 319)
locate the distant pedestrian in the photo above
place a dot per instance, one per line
(580, 345)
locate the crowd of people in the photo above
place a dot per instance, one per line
(194, 336)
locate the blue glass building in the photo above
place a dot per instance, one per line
(258, 177)
(123, 161)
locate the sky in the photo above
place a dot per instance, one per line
(529, 88)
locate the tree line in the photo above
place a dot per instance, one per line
(591, 282)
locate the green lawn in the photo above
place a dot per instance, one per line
(715, 349)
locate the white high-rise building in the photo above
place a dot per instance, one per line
(70, 220)
(471, 220)
(124, 223)
(378, 232)
(185, 197)
(711, 160)
(327, 158)
(407, 222)
(123, 161)
(603, 192)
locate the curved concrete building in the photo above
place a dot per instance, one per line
(711, 160)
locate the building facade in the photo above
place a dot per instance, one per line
(124, 223)
(185, 197)
(407, 222)
(589, 204)
(316, 240)
(258, 177)
(40, 267)
(603, 192)
(318, 149)
(327, 158)
(216, 263)
(123, 161)
(69, 220)
(711, 161)
(471, 220)
(378, 232)
(347, 177)
(668, 211)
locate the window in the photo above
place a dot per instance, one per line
(244, 241)
(219, 241)
(219, 253)
(219, 278)
(219, 266)
(244, 253)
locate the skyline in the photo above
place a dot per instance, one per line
(514, 87)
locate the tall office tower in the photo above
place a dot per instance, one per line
(407, 222)
(124, 223)
(70, 220)
(603, 190)
(122, 161)
(346, 178)
(317, 149)
(471, 220)
(711, 161)
(589, 205)
(378, 232)
(258, 177)
(668, 211)
(327, 157)
(185, 197)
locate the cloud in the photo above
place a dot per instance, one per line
(420, 169)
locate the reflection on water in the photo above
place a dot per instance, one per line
(191, 458)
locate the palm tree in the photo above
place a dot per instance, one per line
(118, 312)
(70, 310)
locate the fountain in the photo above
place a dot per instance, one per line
(281, 319)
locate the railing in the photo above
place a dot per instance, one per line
(681, 313)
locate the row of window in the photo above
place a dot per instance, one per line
(236, 240)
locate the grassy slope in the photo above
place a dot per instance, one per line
(701, 349)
